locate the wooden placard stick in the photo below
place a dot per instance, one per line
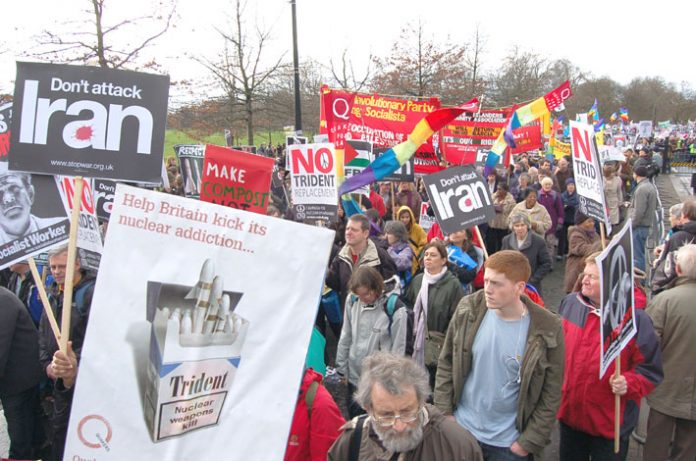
(483, 244)
(70, 264)
(393, 205)
(44, 300)
(617, 367)
(617, 405)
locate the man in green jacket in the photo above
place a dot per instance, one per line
(673, 403)
(501, 366)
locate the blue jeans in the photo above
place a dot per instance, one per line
(491, 453)
(22, 412)
(640, 235)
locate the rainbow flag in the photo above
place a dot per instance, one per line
(613, 117)
(396, 156)
(593, 113)
(623, 113)
(523, 116)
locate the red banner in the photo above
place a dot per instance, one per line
(383, 121)
(236, 179)
(472, 134)
(527, 138)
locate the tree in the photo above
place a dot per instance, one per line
(116, 45)
(472, 58)
(523, 77)
(419, 67)
(239, 69)
(345, 76)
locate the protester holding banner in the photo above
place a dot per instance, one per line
(501, 366)
(586, 413)
(368, 327)
(498, 228)
(539, 218)
(583, 240)
(417, 237)
(419, 432)
(434, 295)
(531, 245)
(673, 403)
(48, 345)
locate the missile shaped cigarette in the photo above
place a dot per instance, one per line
(221, 324)
(202, 316)
(186, 324)
(202, 294)
(204, 284)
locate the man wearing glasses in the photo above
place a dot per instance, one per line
(399, 424)
(500, 369)
(586, 413)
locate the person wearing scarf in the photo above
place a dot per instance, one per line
(530, 244)
(434, 293)
(583, 240)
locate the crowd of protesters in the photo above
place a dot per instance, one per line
(443, 343)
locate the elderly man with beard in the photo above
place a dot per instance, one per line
(399, 424)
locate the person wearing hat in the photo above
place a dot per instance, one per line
(570, 203)
(582, 242)
(642, 213)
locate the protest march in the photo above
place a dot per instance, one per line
(415, 281)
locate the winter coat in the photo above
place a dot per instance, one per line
(417, 237)
(541, 373)
(570, 204)
(665, 270)
(613, 192)
(554, 205)
(538, 216)
(643, 204)
(402, 254)
(534, 248)
(501, 217)
(19, 347)
(674, 319)
(311, 436)
(366, 330)
(342, 267)
(581, 244)
(587, 402)
(443, 298)
(443, 440)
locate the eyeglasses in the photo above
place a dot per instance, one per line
(590, 276)
(389, 421)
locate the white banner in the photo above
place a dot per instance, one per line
(313, 181)
(198, 332)
(588, 173)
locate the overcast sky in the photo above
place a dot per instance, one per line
(618, 39)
